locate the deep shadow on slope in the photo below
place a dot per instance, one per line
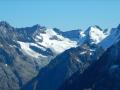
(104, 74)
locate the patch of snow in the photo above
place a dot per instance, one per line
(78, 60)
(6, 65)
(12, 45)
(1, 45)
(26, 49)
(92, 50)
(96, 35)
(57, 46)
(83, 52)
(90, 53)
(82, 38)
(82, 34)
(38, 38)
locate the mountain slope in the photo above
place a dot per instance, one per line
(104, 74)
(113, 37)
(38, 53)
(69, 62)
(21, 56)
(62, 67)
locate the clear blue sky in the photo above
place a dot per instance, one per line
(63, 14)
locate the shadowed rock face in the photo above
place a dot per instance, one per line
(16, 68)
(104, 74)
(66, 64)
(63, 67)
(14, 71)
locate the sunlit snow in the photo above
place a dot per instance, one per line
(57, 46)
(96, 35)
(26, 49)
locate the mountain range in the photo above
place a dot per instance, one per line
(41, 58)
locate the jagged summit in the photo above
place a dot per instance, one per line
(94, 34)
(95, 26)
(5, 24)
(38, 26)
(118, 26)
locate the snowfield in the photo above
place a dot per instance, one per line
(56, 42)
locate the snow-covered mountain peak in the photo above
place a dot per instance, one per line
(54, 41)
(82, 34)
(95, 34)
(50, 31)
(94, 28)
